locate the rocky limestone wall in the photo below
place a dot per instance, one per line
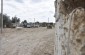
(70, 27)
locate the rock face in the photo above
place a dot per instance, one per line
(70, 27)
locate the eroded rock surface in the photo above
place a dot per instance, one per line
(70, 27)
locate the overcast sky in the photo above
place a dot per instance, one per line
(41, 10)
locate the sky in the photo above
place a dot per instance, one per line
(41, 10)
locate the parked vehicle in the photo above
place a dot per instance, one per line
(49, 27)
(36, 26)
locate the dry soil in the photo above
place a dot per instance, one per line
(27, 41)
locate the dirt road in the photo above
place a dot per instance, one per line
(30, 41)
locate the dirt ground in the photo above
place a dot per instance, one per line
(27, 41)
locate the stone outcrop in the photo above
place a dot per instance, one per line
(70, 27)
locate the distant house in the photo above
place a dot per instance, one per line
(14, 25)
(30, 25)
(44, 24)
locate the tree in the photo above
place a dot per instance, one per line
(15, 19)
(37, 22)
(44, 24)
(25, 23)
(6, 20)
(18, 20)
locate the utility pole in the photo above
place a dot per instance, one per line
(48, 20)
(34, 22)
(1, 16)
